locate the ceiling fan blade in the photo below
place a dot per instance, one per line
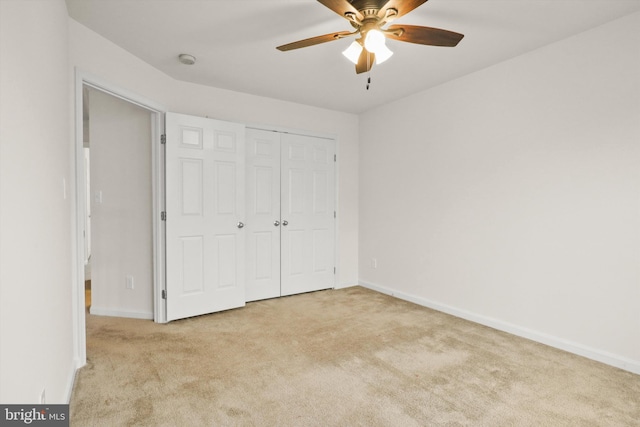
(341, 7)
(365, 61)
(402, 6)
(314, 40)
(423, 35)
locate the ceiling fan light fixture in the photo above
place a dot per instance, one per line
(369, 17)
(374, 41)
(383, 54)
(352, 53)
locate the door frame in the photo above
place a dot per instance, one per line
(157, 111)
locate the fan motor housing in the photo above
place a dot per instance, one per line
(367, 7)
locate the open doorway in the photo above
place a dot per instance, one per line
(90, 194)
(118, 234)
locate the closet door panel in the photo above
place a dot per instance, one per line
(308, 201)
(263, 214)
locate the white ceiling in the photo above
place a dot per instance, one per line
(235, 42)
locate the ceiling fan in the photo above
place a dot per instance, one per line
(369, 18)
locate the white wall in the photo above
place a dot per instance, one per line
(511, 196)
(35, 226)
(93, 54)
(121, 214)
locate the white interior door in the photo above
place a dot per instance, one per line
(308, 214)
(205, 207)
(263, 214)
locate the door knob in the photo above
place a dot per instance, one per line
(285, 223)
(240, 224)
(276, 223)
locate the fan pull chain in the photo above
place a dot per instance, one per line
(369, 65)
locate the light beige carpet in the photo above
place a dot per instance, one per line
(349, 357)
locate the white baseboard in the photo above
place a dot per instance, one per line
(552, 341)
(71, 381)
(100, 311)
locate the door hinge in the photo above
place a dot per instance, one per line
(163, 216)
(335, 157)
(164, 294)
(334, 214)
(334, 270)
(163, 139)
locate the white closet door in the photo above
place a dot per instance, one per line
(205, 181)
(263, 214)
(308, 206)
